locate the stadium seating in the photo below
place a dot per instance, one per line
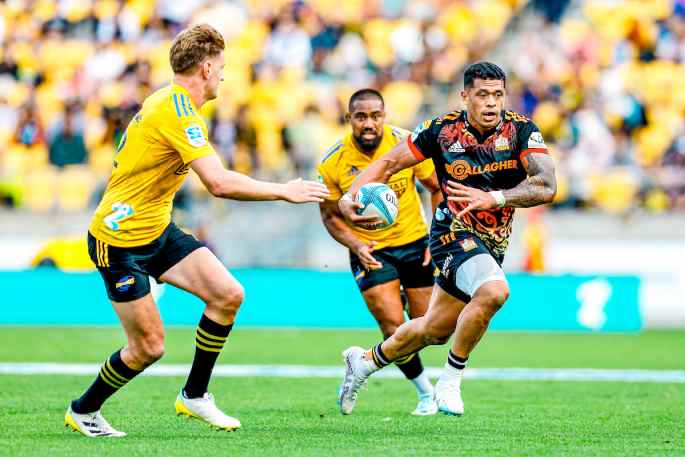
(609, 99)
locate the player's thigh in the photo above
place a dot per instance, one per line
(419, 298)
(203, 275)
(141, 321)
(482, 278)
(385, 303)
(443, 312)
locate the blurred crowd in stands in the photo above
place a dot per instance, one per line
(604, 81)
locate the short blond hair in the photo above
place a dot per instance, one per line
(193, 45)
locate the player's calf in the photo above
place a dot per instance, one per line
(433, 333)
(472, 324)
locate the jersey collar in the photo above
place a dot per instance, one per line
(482, 137)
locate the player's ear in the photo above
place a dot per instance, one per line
(464, 96)
(347, 117)
(206, 68)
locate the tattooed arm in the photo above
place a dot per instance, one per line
(538, 188)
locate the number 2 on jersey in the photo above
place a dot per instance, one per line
(121, 212)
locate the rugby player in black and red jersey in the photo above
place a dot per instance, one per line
(488, 161)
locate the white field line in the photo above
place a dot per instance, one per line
(307, 371)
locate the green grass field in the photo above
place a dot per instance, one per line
(289, 417)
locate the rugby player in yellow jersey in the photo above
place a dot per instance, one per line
(382, 261)
(131, 236)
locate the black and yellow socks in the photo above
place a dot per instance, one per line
(209, 340)
(113, 375)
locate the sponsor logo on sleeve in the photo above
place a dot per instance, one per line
(195, 136)
(535, 141)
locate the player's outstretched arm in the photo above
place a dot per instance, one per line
(224, 183)
(397, 159)
(538, 188)
(341, 232)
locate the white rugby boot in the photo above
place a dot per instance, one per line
(427, 406)
(448, 392)
(357, 371)
(205, 409)
(92, 425)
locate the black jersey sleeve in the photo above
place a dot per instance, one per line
(530, 140)
(423, 140)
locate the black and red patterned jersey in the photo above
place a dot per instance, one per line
(493, 161)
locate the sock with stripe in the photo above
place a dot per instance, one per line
(379, 359)
(410, 365)
(455, 365)
(412, 368)
(114, 374)
(209, 340)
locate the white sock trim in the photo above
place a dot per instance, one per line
(449, 373)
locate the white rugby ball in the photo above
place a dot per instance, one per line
(378, 200)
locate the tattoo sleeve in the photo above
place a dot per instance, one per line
(538, 188)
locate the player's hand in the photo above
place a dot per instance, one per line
(349, 207)
(473, 198)
(427, 257)
(363, 251)
(301, 191)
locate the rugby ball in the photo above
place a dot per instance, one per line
(378, 200)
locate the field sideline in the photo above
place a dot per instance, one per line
(298, 416)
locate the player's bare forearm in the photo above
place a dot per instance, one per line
(538, 188)
(237, 186)
(399, 158)
(337, 227)
(224, 183)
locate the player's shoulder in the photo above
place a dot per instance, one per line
(513, 116)
(398, 133)
(448, 118)
(332, 154)
(435, 124)
(170, 103)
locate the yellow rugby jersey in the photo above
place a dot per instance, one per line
(344, 161)
(150, 165)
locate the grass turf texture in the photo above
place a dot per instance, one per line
(299, 416)
(648, 350)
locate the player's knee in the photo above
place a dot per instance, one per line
(493, 295)
(229, 299)
(149, 349)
